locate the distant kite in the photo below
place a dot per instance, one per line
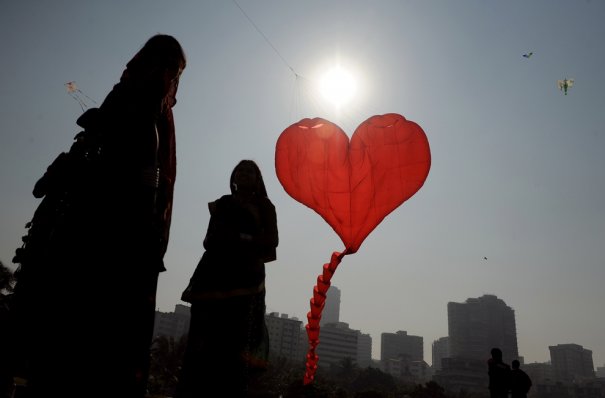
(565, 84)
(71, 87)
(75, 93)
(528, 54)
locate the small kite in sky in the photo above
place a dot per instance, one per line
(529, 54)
(565, 84)
(75, 93)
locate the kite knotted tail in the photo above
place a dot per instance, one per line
(318, 301)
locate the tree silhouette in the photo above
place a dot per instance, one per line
(429, 390)
(283, 377)
(276, 380)
(166, 360)
(7, 283)
(346, 370)
(374, 380)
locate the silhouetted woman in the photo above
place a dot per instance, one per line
(228, 340)
(86, 286)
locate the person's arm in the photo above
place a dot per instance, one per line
(221, 233)
(268, 239)
(129, 135)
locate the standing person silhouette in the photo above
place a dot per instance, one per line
(87, 280)
(499, 375)
(520, 381)
(228, 339)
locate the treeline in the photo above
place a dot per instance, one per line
(283, 378)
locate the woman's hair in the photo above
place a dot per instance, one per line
(260, 183)
(147, 68)
(161, 51)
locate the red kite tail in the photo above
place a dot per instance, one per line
(318, 301)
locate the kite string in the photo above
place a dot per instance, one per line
(300, 82)
(80, 91)
(266, 39)
(295, 104)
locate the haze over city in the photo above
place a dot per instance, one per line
(512, 206)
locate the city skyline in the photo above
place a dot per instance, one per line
(428, 353)
(403, 339)
(570, 372)
(513, 203)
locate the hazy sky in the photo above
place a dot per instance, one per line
(517, 167)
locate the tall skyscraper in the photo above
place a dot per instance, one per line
(331, 311)
(400, 344)
(571, 362)
(480, 324)
(441, 349)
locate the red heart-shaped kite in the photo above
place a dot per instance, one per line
(353, 185)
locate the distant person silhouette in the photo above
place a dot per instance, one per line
(228, 338)
(499, 375)
(86, 284)
(520, 381)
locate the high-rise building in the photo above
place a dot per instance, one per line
(284, 335)
(400, 344)
(571, 363)
(303, 344)
(172, 324)
(331, 311)
(364, 350)
(441, 349)
(337, 341)
(480, 324)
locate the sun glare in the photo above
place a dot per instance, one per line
(338, 85)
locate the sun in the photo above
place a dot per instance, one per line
(338, 85)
